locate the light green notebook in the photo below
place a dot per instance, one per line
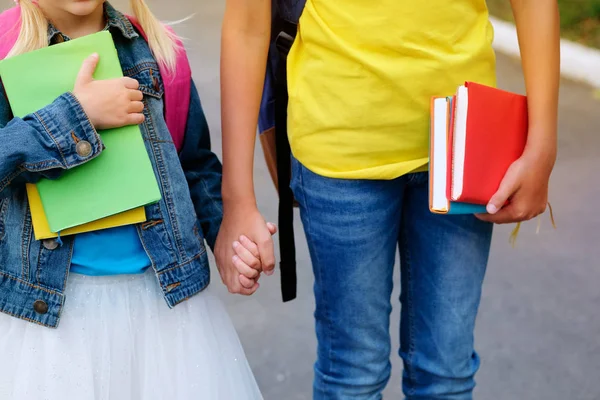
(121, 178)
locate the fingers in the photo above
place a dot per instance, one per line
(130, 83)
(504, 216)
(508, 187)
(135, 107)
(250, 246)
(514, 212)
(86, 73)
(251, 291)
(136, 95)
(267, 254)
(235, 282)
(236, 286)
(246, 282)
(244, 269)
(272, 228)
(134, 119)
(249, 257)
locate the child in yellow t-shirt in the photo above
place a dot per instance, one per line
(360, 77)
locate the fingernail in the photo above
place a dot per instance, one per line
(243, 238)
(236, 244)
(269, 273)
(491, 209)
(235, 258)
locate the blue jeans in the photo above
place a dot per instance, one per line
(353, 228)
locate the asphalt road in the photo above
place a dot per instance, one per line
(538, 331)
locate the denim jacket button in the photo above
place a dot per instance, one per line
(50, 244)
(83, 148)
(40, 307)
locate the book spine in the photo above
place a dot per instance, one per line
(451, 144)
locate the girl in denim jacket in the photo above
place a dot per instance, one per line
(112, 290)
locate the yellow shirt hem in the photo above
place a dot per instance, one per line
(379, 172)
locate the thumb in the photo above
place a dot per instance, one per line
(86, 73)
(272, 228)
(266, 250)
(508, 187)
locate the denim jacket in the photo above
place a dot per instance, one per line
(33, 274)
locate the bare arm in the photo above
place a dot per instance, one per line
(526, 182)
(244, 48)
(539, 39)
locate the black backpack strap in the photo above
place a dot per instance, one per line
(284, 33)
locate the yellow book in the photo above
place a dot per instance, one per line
(41, 229)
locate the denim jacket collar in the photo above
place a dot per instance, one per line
(114, 19)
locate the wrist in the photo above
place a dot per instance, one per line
(541, 152)
(541, 155)
(542, 139)
(238, 200)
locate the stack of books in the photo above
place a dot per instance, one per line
(475, 136)
(112, 189)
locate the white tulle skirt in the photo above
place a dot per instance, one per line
(118, 340)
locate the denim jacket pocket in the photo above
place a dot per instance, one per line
(148, 76)
(3, 212)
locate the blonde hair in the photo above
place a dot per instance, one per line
(163, 43)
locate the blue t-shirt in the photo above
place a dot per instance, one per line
(115, 251)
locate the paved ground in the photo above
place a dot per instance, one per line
(539, 329)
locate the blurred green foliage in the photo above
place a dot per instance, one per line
(579, 19)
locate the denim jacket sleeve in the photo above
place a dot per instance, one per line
(203, 170)
(44, 143)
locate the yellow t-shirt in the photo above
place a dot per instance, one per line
(361, 75)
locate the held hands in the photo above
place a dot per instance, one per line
(244, 249)
(523, 193)
(247, 260)
(109, 103)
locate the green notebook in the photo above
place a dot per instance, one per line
(121, 178)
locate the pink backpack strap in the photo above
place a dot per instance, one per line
(10, 25)
(178, 86)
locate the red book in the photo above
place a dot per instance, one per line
(489, 133)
